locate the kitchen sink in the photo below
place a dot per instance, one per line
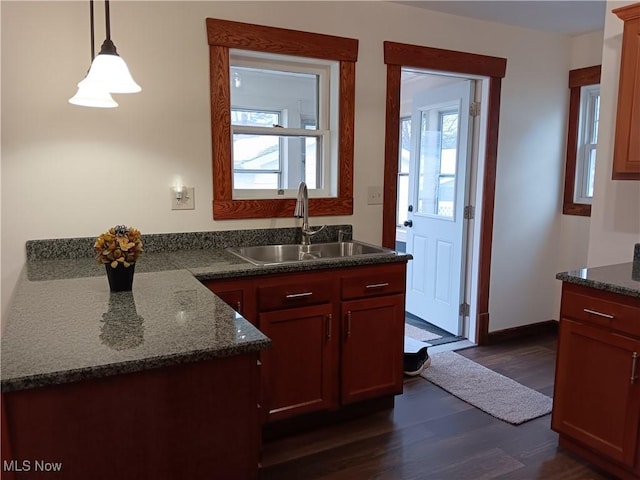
(278, 254)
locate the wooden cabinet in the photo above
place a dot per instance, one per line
(372, 347)
(164, 423)
(238, 294)
(596, 406)
(626, 153)
(299, 367)
(372, 332)
(337, 335)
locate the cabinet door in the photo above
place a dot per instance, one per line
(297, 369)
(372, 347)
(626, 152)
(596, 401)
(238, 294)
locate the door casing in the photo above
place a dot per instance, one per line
(398, 55)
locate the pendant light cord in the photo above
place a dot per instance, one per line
(93, 35)
(107, 19)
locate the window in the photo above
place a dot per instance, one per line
(403, 171)
(266, 141)
(281, 125)
(587, 141)
(437, 155)
(584, 106)
(257, 159)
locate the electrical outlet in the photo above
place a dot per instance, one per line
(374, 196)
(183, 200)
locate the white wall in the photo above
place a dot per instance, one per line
(585, 51)
(615, 215)
(72, 171)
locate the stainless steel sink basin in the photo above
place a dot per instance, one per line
(278, 254)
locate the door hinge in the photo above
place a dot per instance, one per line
(465, 309)
(469, 212)
(474, 109)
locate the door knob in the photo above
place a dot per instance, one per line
(408, 223)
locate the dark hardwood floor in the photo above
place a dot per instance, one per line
(432, 435)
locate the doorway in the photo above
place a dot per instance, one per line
(436, 156)
(492, 70)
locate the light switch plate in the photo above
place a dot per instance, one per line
(374, 196)
(187, 201)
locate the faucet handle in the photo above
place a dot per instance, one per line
(311, 233)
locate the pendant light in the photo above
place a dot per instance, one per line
(91, 95)
(108, 72)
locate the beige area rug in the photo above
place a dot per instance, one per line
(419, 334)
(485, 389)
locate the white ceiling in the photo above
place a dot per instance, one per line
(565, 17)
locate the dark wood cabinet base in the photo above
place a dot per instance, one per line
(195, 421)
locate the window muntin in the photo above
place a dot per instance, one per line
(587, 142)
(293, 125)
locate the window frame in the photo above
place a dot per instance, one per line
(224, 35)
(578, 78)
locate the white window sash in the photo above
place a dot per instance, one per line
(587, 117)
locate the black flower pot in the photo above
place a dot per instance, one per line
(121, 277)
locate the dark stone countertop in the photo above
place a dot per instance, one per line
(612, 278)
(64, 325)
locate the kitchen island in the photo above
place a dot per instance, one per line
(160, 382)
(596, 408)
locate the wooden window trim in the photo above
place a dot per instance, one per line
(398, 55)
(577, 79)
(223, 35)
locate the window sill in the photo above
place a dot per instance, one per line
(579, 209)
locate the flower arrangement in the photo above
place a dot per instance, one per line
(119, 245)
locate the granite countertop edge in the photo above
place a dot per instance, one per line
(604, 278)
(132, 366)
(248, 269)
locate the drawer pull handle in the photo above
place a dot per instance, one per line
(378, 285)
(299, 295)
(329, 318)
(634, 364)
(600, 314)
(239, 305)
(349, 324)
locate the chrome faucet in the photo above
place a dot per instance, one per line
(302, 211)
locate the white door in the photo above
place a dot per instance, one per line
(437, 191)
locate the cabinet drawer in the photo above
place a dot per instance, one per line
(373, 282)
(275, 297)
(605, 309)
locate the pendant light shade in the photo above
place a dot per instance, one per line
(89, 95)
(108, 72)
